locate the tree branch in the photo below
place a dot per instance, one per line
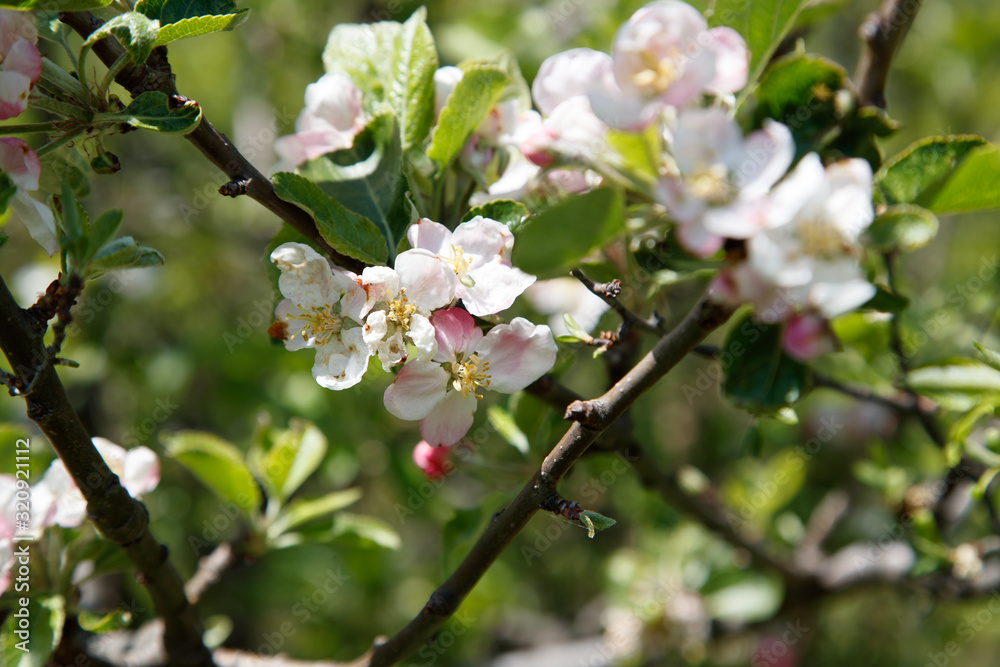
(506, 524)
(882, 33)
(609, 293)
(117, 516)
(155, 74)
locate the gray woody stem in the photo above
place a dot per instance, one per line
(882, 33)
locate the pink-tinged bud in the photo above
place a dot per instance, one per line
(775, 652)
(538, 147)
(807, 337)
(434, 461)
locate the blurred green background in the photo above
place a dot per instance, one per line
(191, 336)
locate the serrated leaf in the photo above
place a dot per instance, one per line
(218, 464)
(150, 8)
(368, 528)
(917, 174)
(763, 379)
(903, 227)
(347, 232)
(973, 184)
(136, 32)
(173, 11)
(410, 92)
(151, 111)
(762, 23)
(508, 429)
(292, 458)
(54, 5)
(992, 357)
(122, 253)
(517, 87)
(475, 94)
(509, 212)
(368, 179)
(196, 26)
(300, 512)
(554, 241)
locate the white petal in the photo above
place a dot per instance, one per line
(495, 288)
(429, 235)
(342, 362)
(518, 353)
(566, 75)
(417, 389)
(767, 155)
(450, 419)
(38, 219)
(791, 195)
(429, 282)
(423, 336)
(141, 472)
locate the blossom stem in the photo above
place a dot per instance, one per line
(882, 32)
(609, 293)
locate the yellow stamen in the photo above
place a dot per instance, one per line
(458, 262)
(471, 374)
(712, 185)
(322, 323)
(821, 238)
(658, 73)
(400, 309)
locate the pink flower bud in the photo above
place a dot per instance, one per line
(434, 461)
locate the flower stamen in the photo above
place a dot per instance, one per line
(400, 309)
(471, 374)
(322, 322)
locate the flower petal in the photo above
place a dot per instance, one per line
(450, 419)
(429, 282)
(495, 287)
(417, 389)
(428, 235)
(141, 471)
(456, 332)
(518, 353)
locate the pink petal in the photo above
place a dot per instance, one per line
(18, 161)
(141, 472)
(566, 75)
(484, 240)
(455, 332)
(418, 388)
(518, 353)
(16, 26)
(24, 59)
(450, 419)
(807, 337)
(434, 461)
(732, 60)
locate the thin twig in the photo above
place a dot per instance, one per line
(117, 516)
(155, 74)
(882, 33)
(609, 293)
(506, 524)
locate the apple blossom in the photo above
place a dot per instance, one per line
(443, 393)
(400, 302)
(322, 310)
(22, 166)
(329, 122)
(722, 179)
(434, 461)
(20, 62)
(809, 248)
(665, 55)
(57, 500)
(478, 254)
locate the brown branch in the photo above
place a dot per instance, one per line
(609, 293)
(882, 33)
(117, 516)
(507, 523)
(155, 74)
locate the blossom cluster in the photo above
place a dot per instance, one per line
(798, 232)
(56, 501)
(386, 311)
(20, 69)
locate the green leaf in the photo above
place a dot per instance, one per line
(798, 90)
(517, 88)
(150, 8)
(7, 191)
(474, 95)
(105, 164)
(992, 357)
(763, 24)
(761, 378)
(368, 179)
(508, 429)
(122, 253)
(300, 512)
(218, 464)
(65, 165)
(294, 455)
(70, 217)
(973, 184)
(594, 522)
(46, 621)
(151, 111)
(555, 240)
(54, 6)
(99, 624)
(984, 481)
(956, 383)
(104, 227)
(173, 11)
(347, 232)
(135, 31)
(903, 227)
(368, 528)
(509, 212)
(885, 301)
(917, 174)
(200, 25)
(410, 92)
